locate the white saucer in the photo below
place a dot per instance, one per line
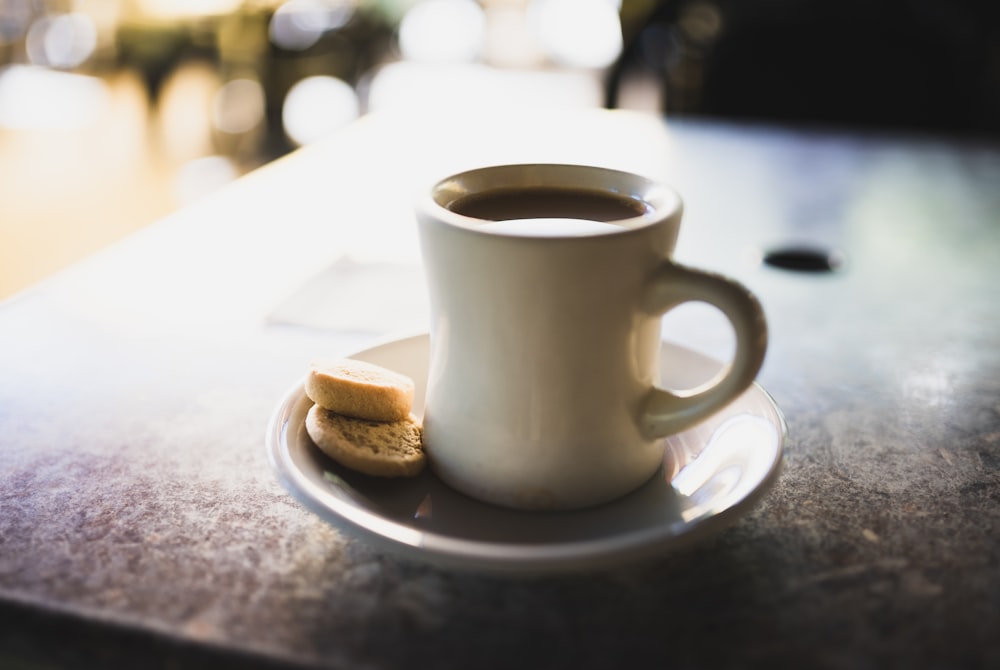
(711, 474)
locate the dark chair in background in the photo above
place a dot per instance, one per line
(923, 65)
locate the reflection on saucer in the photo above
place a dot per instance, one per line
(722, 472)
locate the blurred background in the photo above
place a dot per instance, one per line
(114, 113)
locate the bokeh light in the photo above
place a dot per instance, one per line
(36, 97)
(15, 17)
(299, 24)
(317, 106)
(577, 33)
(442, 31)
(61, 40)
(238, 106)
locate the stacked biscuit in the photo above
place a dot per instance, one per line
(362, 417)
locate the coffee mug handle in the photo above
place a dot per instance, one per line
(665, 413)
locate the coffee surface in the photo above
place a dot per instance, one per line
(548, 203)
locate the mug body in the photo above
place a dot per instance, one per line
(540, 352)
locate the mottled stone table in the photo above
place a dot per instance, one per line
(141, 526)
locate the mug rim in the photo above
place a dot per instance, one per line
(663, 202)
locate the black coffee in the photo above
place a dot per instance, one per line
(504, 204)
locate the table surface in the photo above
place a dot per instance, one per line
(139, 518)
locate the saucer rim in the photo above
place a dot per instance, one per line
(493, 556)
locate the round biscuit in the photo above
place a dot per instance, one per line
(359, 389)
(381, 449)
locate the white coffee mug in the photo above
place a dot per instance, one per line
(547, 284)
